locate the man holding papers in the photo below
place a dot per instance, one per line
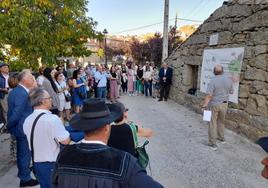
(216, 99)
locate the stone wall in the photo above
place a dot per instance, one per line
(249, 1)
(238, 25)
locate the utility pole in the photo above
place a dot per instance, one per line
(165, 31)
(105, 32)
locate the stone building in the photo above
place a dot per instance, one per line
(237, 23)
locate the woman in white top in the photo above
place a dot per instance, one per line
(63, 93)
(147, 76)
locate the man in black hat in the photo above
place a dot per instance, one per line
(4, 75)
(94, 164)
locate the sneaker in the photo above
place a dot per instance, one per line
(222, 141)
(1, 125)
(30, 183)
(213, 146)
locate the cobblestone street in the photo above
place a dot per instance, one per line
(178, 151)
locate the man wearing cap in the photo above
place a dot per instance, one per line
(4, 75)
(94, 164)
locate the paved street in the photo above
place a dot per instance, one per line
(178, 151)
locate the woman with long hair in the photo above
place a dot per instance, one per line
(139, 80)
(155, 82)
(13, 82)
(113, 84)
(121, 135)
(124, 80)
(64, 95)
(147, 81)
(79, 91)
(130, 78)
(50, 86)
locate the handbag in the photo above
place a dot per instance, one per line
(68, 97)
(82, 91)
(82, 95)
(142, 155)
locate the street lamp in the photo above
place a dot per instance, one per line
(105, 32)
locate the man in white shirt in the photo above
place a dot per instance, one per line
(48, 132)
(101, 80)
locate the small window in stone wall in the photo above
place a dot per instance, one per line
(192, 78)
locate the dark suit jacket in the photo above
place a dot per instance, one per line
(19, 109)
(169, 74)
(2, 85)
(99, 166)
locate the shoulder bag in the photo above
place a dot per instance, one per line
(81, 91)
(67, 96)
(32, 137)
(142, 155)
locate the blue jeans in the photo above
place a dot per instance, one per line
(101, 92)
(23, 159)
(148, 86)
(44, 172)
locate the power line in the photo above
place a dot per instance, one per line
(150, 25)
(201, 6)
(195, 8)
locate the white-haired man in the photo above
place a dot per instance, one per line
(44, 132)
(217, 98)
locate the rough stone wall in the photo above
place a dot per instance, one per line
(249, 1)
(238, 25)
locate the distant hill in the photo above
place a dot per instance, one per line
(184, 32)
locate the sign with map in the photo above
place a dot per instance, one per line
(231, 59)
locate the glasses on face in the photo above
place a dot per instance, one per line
(47, 98)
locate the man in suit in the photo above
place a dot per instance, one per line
(92, 163)
(4, 75)
(19, 109)
(165, 80)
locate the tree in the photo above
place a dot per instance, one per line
(45, 29)
(151, 49)
(156, 46)
(173, 39)
(140, 51)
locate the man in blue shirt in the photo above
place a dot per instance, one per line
(101, 77)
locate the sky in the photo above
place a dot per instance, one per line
(121, 16)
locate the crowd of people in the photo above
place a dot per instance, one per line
(35, 109)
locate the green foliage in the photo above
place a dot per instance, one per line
(151, 49)
(45, 29)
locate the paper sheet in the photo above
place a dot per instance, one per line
(207, 115)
